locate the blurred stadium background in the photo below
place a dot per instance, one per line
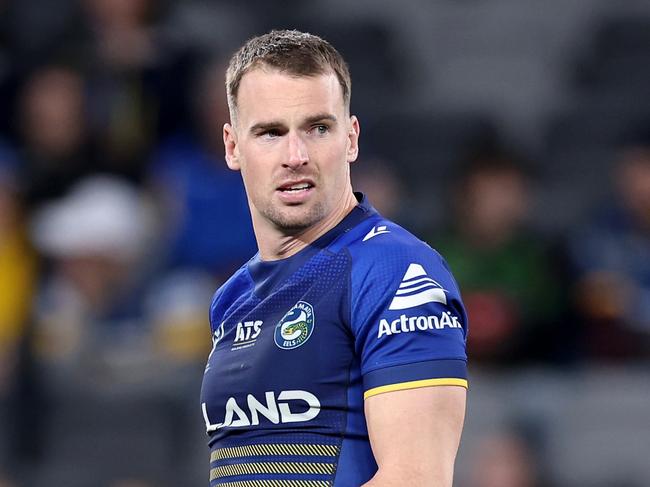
(512, 135)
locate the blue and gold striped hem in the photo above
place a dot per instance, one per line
(283, 465)
(415, 384)
(269, 468)
(277, 483)
(274, 449)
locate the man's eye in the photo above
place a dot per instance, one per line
(320, 129)
(270, 134)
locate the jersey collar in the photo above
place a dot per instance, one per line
(267, 274)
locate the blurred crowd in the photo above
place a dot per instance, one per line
(119, 218)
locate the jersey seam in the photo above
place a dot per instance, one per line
(348, 326)
(347, 417)
(347, 249)
(348, 295)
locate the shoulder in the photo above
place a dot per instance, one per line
(382, 250)
(405, 309)
(377, 234)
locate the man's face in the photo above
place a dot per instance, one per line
(292, 139)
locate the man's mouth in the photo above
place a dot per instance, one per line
(296, 187)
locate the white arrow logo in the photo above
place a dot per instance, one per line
(417, 288)
(375, 231)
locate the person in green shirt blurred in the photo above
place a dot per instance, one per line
(511, 292)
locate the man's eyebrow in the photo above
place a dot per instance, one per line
(275, 124)
(320, 117)
(264, 126)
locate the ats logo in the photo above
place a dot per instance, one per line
(246, 334)
(295, 327)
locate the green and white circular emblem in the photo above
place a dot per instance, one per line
(295, 327)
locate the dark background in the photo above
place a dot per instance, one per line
(511, 135)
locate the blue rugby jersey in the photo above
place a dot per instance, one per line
(299, 343)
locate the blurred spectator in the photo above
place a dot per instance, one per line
(53, 132)
(209, 225)
(18, 275)
(123, 36)
(504, 459)
(127, 59)
(18, 265)
(375, 178)
(504, 271)
(175, 310)
(109, 377)
(88, 311)
(611, 258)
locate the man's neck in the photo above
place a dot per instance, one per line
(276, 245)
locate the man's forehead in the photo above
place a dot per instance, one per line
(262, 76)
(263, 84)
(263, 69)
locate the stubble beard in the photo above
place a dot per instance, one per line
(294, 219)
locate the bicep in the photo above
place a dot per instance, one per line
(415, 434)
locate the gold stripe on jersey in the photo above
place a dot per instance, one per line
(415, 385)
(276, 483)
(272, 468)
(275, 449)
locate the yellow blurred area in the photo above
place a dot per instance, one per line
(182, 340)
(17, 281)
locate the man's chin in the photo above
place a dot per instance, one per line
(296, 219)
(294, 225)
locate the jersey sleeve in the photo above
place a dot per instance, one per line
(214, 312)
(408, 318)
(227, 297)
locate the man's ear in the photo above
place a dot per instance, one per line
(353, 139)
(232, 149)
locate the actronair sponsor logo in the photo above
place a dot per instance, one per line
(417, 288)
(407, 324)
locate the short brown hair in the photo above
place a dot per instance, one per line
(290, 51)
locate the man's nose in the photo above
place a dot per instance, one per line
(298, 154)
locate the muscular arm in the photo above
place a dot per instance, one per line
(415, 435)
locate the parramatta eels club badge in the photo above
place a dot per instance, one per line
(295, 327)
